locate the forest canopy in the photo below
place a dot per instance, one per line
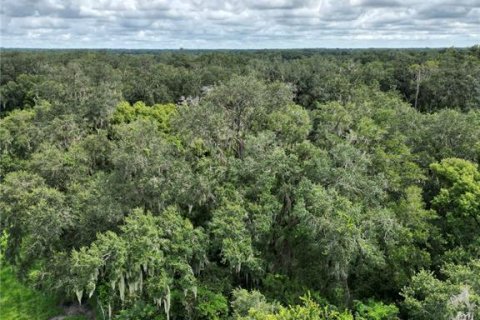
(247, 185)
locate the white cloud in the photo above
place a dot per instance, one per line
(239, 24)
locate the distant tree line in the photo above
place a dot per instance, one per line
(429, 79)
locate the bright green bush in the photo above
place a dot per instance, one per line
(210, 305)
(21, 303)
(373, 310)
(309, 310)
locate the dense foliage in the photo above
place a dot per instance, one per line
(247, 185)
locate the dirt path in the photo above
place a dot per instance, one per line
(75, 310)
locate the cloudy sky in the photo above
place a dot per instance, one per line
(238, 23)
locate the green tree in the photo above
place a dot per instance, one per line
(35, 217)
(458, 200)
(455, 297)
(422, 72)
(149, 257)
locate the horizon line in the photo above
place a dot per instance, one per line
(237, 49)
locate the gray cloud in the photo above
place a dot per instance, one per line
(445, 12)
(239, 24)
(380, 3)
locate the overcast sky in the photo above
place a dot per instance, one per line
(245, 24)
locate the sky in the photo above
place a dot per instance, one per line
(240, 24)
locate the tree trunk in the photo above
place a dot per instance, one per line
(417, 91)
(347, 291)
